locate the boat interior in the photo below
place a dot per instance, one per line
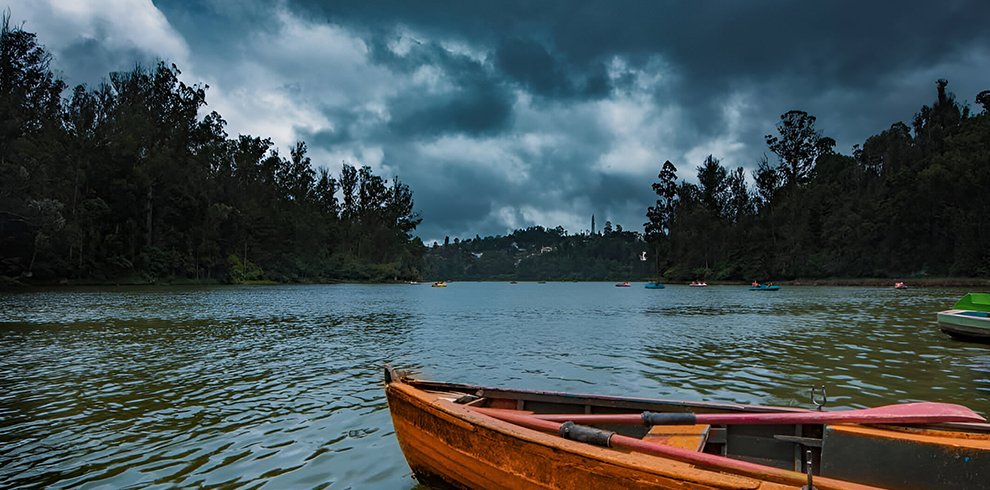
(898, 456)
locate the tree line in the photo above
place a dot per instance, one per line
(539, 254)
(128, 181)
(911, 201)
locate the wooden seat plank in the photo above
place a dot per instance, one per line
(690, 437)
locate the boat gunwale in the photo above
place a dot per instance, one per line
(965, 327)
(605, 401)
(576, 398)
(668, 468)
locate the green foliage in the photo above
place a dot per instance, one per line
(539, 254)
(128, 179)
(798, 146)
(242, 271)
(909, 201)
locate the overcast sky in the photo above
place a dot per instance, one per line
(503, 114)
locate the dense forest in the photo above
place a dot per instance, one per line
(128, 181)
(132, 181)
(912, 201)
(538, 253)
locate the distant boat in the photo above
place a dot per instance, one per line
(969, 319)
(763, 287)
(514, 282)
(653, 285)
(440, 284)
(623, 285)
(698, 284)
(900, 285)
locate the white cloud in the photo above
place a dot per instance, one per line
(115, 24)
(727, 145)
(498, 155)
(296, 72)
(641, 133)
(265, 112)
(508, 217)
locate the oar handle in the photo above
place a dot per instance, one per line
(669, 418)
(906, 413)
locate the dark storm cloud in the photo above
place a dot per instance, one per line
(846, 39)
(519, 111)
(530, 64)
(858, 66)
(326, 138)
(478, 104)
(212, 25)
(89, 61)
(457, 191)
(813, 47)
(535, 68)
(479, 111)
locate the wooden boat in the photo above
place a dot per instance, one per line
(969, 319)
(440, 284)
(469, 436)
(654, 285)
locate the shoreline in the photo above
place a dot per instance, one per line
(920, 282)
(925, 282)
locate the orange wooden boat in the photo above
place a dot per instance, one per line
(468, 436)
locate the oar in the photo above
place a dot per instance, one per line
(904, 413)
(599, 437)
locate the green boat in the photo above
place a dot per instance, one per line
(969, 319)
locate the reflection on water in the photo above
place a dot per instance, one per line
(281, 385)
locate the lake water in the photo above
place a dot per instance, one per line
(281, 386)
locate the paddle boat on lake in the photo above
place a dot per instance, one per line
(653, 285)
(969, 319)
(900, 285)
(698, 284)
(470, 436)
(440, 284)
(763, 287)
(623, 285)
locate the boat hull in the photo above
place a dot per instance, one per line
(965, 324)
(444, 445)
(448, 442)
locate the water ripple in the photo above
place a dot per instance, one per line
(281, 386)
